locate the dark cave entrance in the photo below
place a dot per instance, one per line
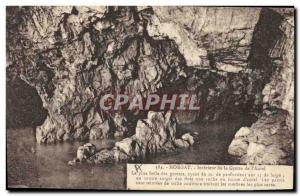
(24, 107)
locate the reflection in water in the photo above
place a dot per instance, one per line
(211, 146)
(55, 173)
(45, 166)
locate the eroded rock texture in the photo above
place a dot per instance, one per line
(267, 142)
(219, 37)
(270, 140)
(237, 60)
(153, 135)
(77, 55)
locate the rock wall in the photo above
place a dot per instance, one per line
(267, 142)
(237, 60)
(271, 139)
(208, 36)
(77, 55)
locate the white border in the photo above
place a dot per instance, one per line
(154, 2)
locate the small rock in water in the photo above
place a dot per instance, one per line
(91, 148)
(72, 163)
(83, 153)
(189, 138)
(180, 143)
(154, 134)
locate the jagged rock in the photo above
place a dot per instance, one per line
(81, 54)
(181, 143)
(267, 141)
(104, 156)
(279, 92)
(204, 34)
(271, 137)
(81, 134)
(120, 123)
(99, 131)
(49, 135)
(153, 135)
(242, 132)
(263, 156)
(129, 146)
(91, 149)
(156, 132)
(83, 153)
(189, 138)
(274, 156)
(254, 148)
(240, 144)
(238, 147)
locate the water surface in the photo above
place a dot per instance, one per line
(45, 166)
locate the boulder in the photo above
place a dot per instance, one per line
(254, 148)
(153, 135)
(189, 138)
(83, 153)
(242, 132)
(99, 131)
(181, 143)
(238, 147)
(267, 142)
(129, 146)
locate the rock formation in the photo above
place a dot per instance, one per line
(80, 55)
(153, 135)
(236, 60)
(270, 140)
(267, 142)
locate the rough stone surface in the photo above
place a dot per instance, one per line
(83, 153)
(270, 140)
(279, 92)
(181, 143)
(236, 60)
(267, 141)
(153, 135)
(75, 55)
(189, 138)
(203, 34)
(240, 144)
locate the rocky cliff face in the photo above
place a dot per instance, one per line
(270, 140)
(235, 59)
(218, 37)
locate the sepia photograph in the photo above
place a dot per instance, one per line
(150, 98)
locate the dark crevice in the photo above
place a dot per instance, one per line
(24, 107)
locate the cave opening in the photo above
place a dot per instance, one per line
(24, 107)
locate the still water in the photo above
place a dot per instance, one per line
(45, 166)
